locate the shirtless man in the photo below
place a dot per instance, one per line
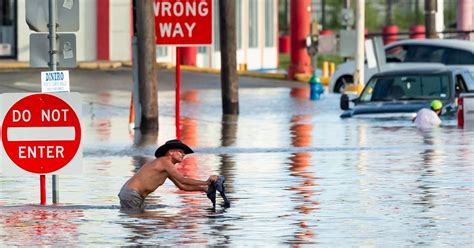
(154, 173)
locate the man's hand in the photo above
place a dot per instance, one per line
(212, 179)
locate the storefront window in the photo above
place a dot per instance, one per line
(7, 28)
(269, 24)
(253, 23)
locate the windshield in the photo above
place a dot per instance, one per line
(413, 87)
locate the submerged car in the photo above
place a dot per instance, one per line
(401, 93)
(447, 52)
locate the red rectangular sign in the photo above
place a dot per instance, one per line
(183, 22)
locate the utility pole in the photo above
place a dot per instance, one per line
(417, 11)
(229, 78)
(360, 28)
(430, 19)
(388, 17)
(347, 5)
(147, 84)
(323, 13)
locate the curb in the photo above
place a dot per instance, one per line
(99, 65)
(14, 65)
(240, 73)
(109, 65)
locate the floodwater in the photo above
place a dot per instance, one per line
(296, 174)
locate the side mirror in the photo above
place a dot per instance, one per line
(344, 102)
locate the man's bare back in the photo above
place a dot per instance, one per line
(154, 173)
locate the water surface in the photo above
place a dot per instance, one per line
(296, 174)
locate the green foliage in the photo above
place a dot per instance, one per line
(372, 17)
(284, 62)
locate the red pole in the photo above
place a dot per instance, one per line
(189, 55)
(43, 189)
(178, 79)
(103, 29)
(299, 29)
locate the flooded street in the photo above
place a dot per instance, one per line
(296, 174)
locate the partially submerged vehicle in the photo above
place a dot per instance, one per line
(417, 51)
(401, 93)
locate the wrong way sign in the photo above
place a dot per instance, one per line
(41, 133)
(183, 22)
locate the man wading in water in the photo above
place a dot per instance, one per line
(154, 173)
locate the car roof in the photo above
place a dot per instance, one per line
(457, 44)
(411, 69)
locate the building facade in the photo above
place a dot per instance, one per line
(106, 28)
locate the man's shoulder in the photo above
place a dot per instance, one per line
(161, 162)
(424, 111)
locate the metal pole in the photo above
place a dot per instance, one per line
(42, 189)
(52, 25)
(360, 19)
(178, 89)
(388, 17)
(323, 13)
(53, 63)
(347, 5)
(136, 94)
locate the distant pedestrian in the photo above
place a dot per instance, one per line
(428, 118)
(154, 173)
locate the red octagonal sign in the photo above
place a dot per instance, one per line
(41, 133)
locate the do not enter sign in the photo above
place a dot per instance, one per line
(41, 133)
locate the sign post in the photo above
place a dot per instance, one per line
(182, 23)
(178, 93)
(46, 15)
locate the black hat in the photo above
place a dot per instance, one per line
(172, 144)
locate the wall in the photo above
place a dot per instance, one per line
(120, 30)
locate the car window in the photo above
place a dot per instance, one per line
(459, 57)
(433, 54)
(469, 79)
(366, 95)
(400, 87)
(460, 86)
(396, 54)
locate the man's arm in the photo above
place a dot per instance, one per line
(187, 187)
(174, 175)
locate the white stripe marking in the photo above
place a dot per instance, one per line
(40, 133)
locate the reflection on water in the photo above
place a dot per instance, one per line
(296, 174)
(40, 226)
(301, 135)
(144, 139)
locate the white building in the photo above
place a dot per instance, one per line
(106, 32)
